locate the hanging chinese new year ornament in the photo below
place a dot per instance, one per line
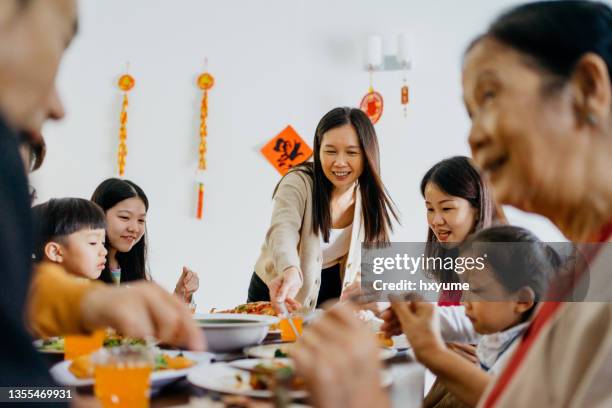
(405, 96)
(372, 103)
(126, 82)
(205, 83)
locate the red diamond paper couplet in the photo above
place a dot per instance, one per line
(286, 150)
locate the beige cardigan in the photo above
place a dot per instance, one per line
(290, 240)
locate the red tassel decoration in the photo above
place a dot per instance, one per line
(200, 200)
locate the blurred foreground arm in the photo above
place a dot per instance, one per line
(61, 304)
(338, 357)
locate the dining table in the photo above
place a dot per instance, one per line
(406, 390)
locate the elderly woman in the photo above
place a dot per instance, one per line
(537, 87)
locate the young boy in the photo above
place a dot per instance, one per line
(500, 302)
(71, 232)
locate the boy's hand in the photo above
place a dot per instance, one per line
(420, 322)
(141, 310)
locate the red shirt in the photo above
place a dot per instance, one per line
(450, 298)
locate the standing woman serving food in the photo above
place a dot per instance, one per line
(320, 218)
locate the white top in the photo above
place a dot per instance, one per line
(495, 349)
(337, 247)
(456, 326)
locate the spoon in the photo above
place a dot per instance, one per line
(285, 313)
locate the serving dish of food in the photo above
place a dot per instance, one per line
(257, 308)
(234, 331)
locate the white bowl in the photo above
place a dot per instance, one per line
(233, 331)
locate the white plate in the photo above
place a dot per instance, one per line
(268, 350)
(400, 342)
(223, 377)
(387, 353)
(231, 320)
(62, 374)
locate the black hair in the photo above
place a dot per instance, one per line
(377, 206)
(57, 218)
(134, 262)
(524, 262)
(458, 177)
(554, 35)
(37, 150)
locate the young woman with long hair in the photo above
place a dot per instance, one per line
(125, 205)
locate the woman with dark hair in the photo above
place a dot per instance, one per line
(538, 89)
(537, 86)
(313, 246)
(458, 203)
(125, 205)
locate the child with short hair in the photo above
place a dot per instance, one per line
(71, 232)
(501, 300)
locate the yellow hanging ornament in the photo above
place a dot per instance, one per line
(126, 82)
(205, 83)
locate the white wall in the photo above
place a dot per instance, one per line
(276, 62)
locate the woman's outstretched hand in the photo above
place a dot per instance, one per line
(284, 288)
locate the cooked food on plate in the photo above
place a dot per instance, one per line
(52, 344)
(383, 340)
(260, 308)
(56, 344)
(82, 367)
(264, 375)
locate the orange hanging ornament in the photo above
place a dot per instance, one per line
(126, 82)
(405, 96)
(205, 83)
(405, 99)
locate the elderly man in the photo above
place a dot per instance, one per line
(34, 35)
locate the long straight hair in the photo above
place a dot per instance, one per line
(377, 206)
(134, 262)
(458, 177)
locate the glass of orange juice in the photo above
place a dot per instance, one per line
(287, 333)
(122, 376)
(75, 346)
